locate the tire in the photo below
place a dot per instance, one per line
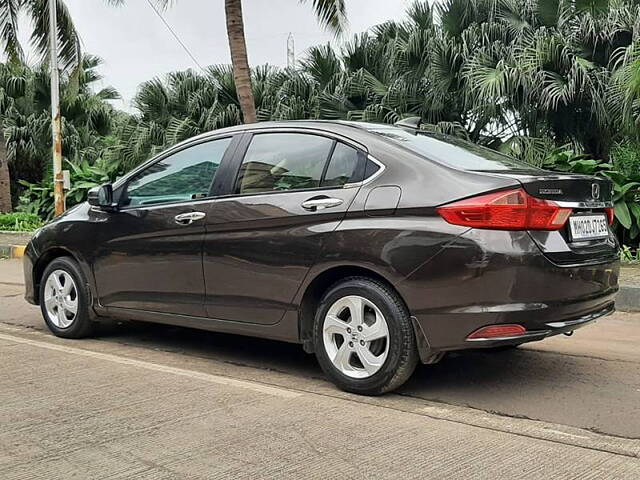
(53, 299)
(342, 351)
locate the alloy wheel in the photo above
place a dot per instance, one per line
(61, 298)
(356, 336)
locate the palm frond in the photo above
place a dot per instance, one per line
(68, 39)
(331, 14)
(9, 10)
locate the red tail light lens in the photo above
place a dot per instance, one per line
(506, 210)
(610, 215)
(498, 331)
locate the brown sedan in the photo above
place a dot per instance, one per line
(373, 246)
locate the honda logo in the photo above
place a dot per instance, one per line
(595, 191)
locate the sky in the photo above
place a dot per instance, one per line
(136, 46)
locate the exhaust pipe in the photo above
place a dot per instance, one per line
(568, 334)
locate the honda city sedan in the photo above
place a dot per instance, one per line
(373, 246)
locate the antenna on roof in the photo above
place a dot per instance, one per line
(410, 123)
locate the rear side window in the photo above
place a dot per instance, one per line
(342, 166)
(283, 162)
(453, 151)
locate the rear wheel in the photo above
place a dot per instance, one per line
(64, 299)
(363, 337)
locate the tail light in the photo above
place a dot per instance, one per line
(610, 215)
(498, 331)
(506, 210)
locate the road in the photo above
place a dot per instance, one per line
(152, 401)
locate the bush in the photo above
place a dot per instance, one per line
(19, 222)
(37, 198)
(630, 256)
(626, 158)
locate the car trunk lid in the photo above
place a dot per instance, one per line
(589, 197)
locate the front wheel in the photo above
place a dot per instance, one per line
(363, 337)
(64, 299)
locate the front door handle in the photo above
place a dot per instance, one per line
(315, 204)
(189, 218)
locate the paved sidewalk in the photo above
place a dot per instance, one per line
(89, 410)
(151, 401)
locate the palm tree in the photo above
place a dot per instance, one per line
(37, 11)
(330, 13)
(12, 85)
(519, 76)
(183, 104)
(87, 118)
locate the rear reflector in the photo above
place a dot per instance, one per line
(506, 210)
(498, 331)
(610, 215)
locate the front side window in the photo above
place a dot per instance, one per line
(185, 175)
(282, 162)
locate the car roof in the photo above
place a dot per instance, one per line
(337, 126)
(362, 133)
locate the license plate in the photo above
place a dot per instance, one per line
(588, 227)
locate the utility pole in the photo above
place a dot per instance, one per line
(291, 53)
(56, 123)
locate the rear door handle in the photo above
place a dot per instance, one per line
(315, 204)
(189, 218)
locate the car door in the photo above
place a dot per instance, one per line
(290, 190)
(150, 251)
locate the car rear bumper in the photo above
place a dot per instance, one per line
(449, 331)
(552, 328)
(495, 278)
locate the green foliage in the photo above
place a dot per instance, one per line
(625, 156)
(12, 11)
(525, 77)
(85, 176)
(630, 256)
(19, 222)
(37, 198)
(88, 122)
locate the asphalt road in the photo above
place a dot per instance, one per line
(153, 401)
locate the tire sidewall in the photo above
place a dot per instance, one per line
(80, 325)
(394, 314)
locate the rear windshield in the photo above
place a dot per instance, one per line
(453, 151)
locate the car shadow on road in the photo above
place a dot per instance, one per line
(575, 390)
(234, 349)
(513, 382)
(469, 371)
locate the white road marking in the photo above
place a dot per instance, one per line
(558, 432)
(207, 377)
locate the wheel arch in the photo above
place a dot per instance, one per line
(45, 259)
(322, 281)
(319, 285)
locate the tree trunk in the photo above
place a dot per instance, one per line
(238, 47)
(5, 178)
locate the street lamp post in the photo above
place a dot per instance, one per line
(56, 124)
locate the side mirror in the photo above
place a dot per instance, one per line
(101, 197)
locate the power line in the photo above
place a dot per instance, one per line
(175, 35)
